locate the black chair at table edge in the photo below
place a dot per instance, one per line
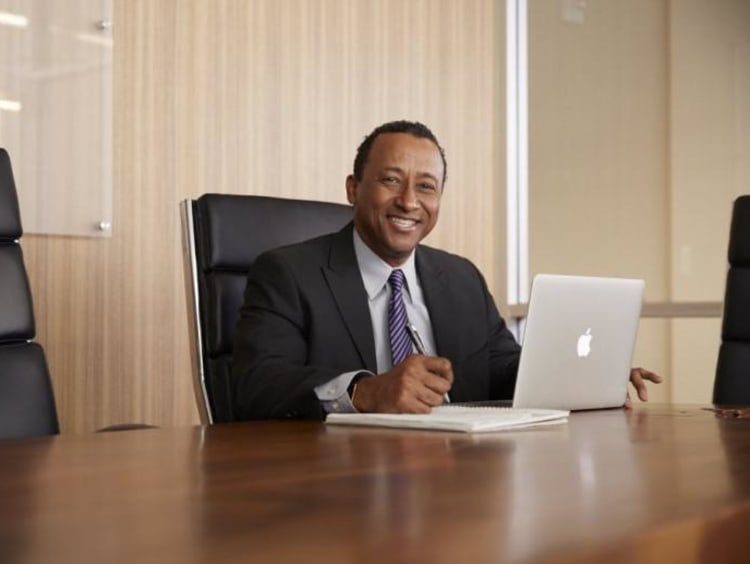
(223, 234)
(732, 381)
(27, 401)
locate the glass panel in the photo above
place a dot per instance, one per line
(684, 352)
(55, 121)
(598, 140)
(639, 141)
(710, 138)
(695, 350)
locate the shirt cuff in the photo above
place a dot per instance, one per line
(334, 395)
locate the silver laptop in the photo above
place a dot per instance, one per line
(578, 342)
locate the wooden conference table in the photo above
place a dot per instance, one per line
(652, 485)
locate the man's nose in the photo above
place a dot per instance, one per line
(409, 198)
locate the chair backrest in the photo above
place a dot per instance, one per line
(222, 236)
(27, 402)
(732, 382)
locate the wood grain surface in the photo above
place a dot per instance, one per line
(651, 485)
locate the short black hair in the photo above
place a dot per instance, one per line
(402, 126)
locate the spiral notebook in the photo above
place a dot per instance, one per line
(457, 418)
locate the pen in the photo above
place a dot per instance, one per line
(419, 345)
(415, 338)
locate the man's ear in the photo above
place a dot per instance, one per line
(351, 189)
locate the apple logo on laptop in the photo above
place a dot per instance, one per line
(584, 343)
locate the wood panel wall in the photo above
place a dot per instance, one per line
(259, 97)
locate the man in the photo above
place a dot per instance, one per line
(323, 327)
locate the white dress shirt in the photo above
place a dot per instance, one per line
(375, 272)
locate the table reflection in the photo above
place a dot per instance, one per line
(605, 484)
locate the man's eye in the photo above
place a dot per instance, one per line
(427, 187)
(390, 180)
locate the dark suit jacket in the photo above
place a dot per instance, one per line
(306, 320)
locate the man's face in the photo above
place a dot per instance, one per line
(396, 203)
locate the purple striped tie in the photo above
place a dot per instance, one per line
(400, 341)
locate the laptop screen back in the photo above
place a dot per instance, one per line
(578, 342)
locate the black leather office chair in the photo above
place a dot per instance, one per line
(27, 401)
(222, 236)
(732, 382)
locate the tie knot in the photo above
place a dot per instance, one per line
(396, 279)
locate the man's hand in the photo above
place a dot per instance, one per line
(638, 377)
(416, 385)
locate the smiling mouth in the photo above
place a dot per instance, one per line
(403, 222)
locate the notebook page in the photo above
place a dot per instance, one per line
(454, 418)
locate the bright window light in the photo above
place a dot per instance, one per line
(10, 105)
(15, 20)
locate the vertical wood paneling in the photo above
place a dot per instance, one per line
(262, 97)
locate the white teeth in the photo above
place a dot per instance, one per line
(401, 222)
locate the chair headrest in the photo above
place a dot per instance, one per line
(235, 229)
(10, 216)
(739, 235)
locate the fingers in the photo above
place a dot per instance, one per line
(430, 398)
(427, 379)
(638, 377)
(416, 385)
(640, 386)
(436, 365)
(650, 376)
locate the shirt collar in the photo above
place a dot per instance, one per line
(375, 271)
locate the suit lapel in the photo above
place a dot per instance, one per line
(345, 282)
(445, 315)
